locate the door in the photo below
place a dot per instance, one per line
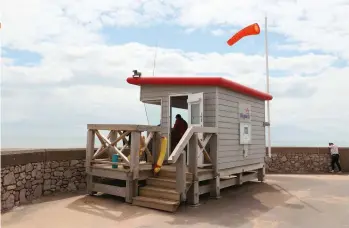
(195, 118)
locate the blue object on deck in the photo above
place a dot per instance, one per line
(115, 158)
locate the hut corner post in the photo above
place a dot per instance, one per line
(215, 183)
(132, 182)
(193, 194)
(89, 154)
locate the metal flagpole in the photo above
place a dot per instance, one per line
(267, 82)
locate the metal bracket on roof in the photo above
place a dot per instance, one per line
(266, 124)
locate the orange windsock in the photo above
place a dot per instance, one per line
(247, 31)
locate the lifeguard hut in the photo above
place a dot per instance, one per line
(225, 143)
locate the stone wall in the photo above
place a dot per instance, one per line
(304, 160)
(27, 175)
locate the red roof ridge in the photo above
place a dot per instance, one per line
(201, 81)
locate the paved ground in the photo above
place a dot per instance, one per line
(282, 201)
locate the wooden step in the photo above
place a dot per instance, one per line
(171, 174)
(160, 204)
(156, 192)
(163, 182)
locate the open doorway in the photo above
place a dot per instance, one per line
(177, 105)
(190, 107)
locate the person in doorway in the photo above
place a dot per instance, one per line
(334, 157)
(178, 130)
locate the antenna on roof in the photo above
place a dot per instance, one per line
(154, 65)
(155, 55)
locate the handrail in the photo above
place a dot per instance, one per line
(181, 145)
(185, 140)
(125, 127)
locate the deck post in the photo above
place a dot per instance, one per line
(113, 137)
(134, 161)
(239, 179)
(129, 190)
(181, 177)
(155, 149)
(261, 174)
(89, 154)
(193, 198)
(215, 183)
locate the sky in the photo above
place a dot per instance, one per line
(64, 63)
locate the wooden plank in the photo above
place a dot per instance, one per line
(231, 149)
(205, 129)
(233, 105)
(151, 92)
(135, 147)
(203, 189)
(227, 142)
(249, 177)
(113, 137)
(236, 97)
(193, 194)
(236, 137)
(227, 183)
(246, 168)
(125, 127)
(239, 180)
(101, 149)
(261, 174)
(89, 153)
(108, 173)
(129, 191)
(215, 182)
(236, 151)
(254, 122)
(108, 143)
(145, 147)
(260, 130)
(181, 145)
(181, 177)
(202, 146)
(244, 162)
(107, 162)
(116, 139)
(156, 146)
(109, 189)
(205, 176)
(240, 157)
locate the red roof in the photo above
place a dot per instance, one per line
(200, 81)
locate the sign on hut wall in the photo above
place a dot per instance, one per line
(244, 112)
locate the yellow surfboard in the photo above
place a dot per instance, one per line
(161, 155)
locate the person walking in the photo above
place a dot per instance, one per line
(334, 157)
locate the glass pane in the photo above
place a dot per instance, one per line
(153, 113)
(195, 113)
(246, 130)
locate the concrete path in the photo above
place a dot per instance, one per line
(282, 201)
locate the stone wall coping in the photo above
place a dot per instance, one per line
(23, 156)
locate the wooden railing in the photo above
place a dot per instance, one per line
(195, 147)
(125, 133)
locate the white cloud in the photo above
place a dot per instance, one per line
(82, 80)
(307, 102)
